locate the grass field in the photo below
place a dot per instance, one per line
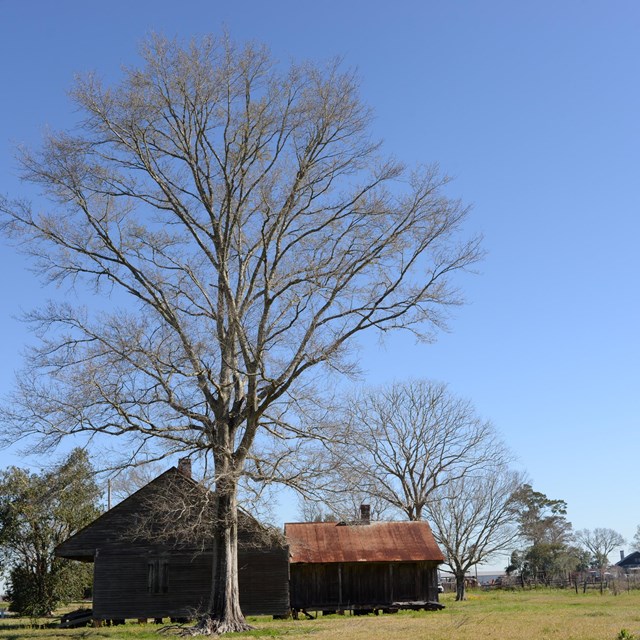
(499, 615)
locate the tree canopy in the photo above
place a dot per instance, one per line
(599, 542)
(397, 444)
(542, 520)
(546, 537)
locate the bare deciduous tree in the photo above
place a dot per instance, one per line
(473, 518)
(405, 440)
(240, 227)
(599, 542)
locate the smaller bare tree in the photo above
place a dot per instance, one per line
(473, 519)
(600, 542)
(400, 443)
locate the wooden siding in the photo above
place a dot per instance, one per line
(354, 585)
(122, 586)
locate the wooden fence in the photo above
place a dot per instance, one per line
(580, 583)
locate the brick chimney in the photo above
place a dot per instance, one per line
(365, 513)
(184, 466)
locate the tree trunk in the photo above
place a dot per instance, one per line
(460, 586)
(42, 586)
(224, 614)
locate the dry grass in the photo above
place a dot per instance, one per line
(509, 615)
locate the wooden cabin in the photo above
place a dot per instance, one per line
(139, 574)
(362, 566)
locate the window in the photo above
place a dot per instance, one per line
(158, 576)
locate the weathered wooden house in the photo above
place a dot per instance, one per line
(141, 571)
(362, 566)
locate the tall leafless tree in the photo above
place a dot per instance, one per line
(240, 227)
(473, 518)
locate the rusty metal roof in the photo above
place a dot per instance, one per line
(319, 542)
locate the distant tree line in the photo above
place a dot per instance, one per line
(550, 550)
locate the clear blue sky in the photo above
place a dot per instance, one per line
(533, 107)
